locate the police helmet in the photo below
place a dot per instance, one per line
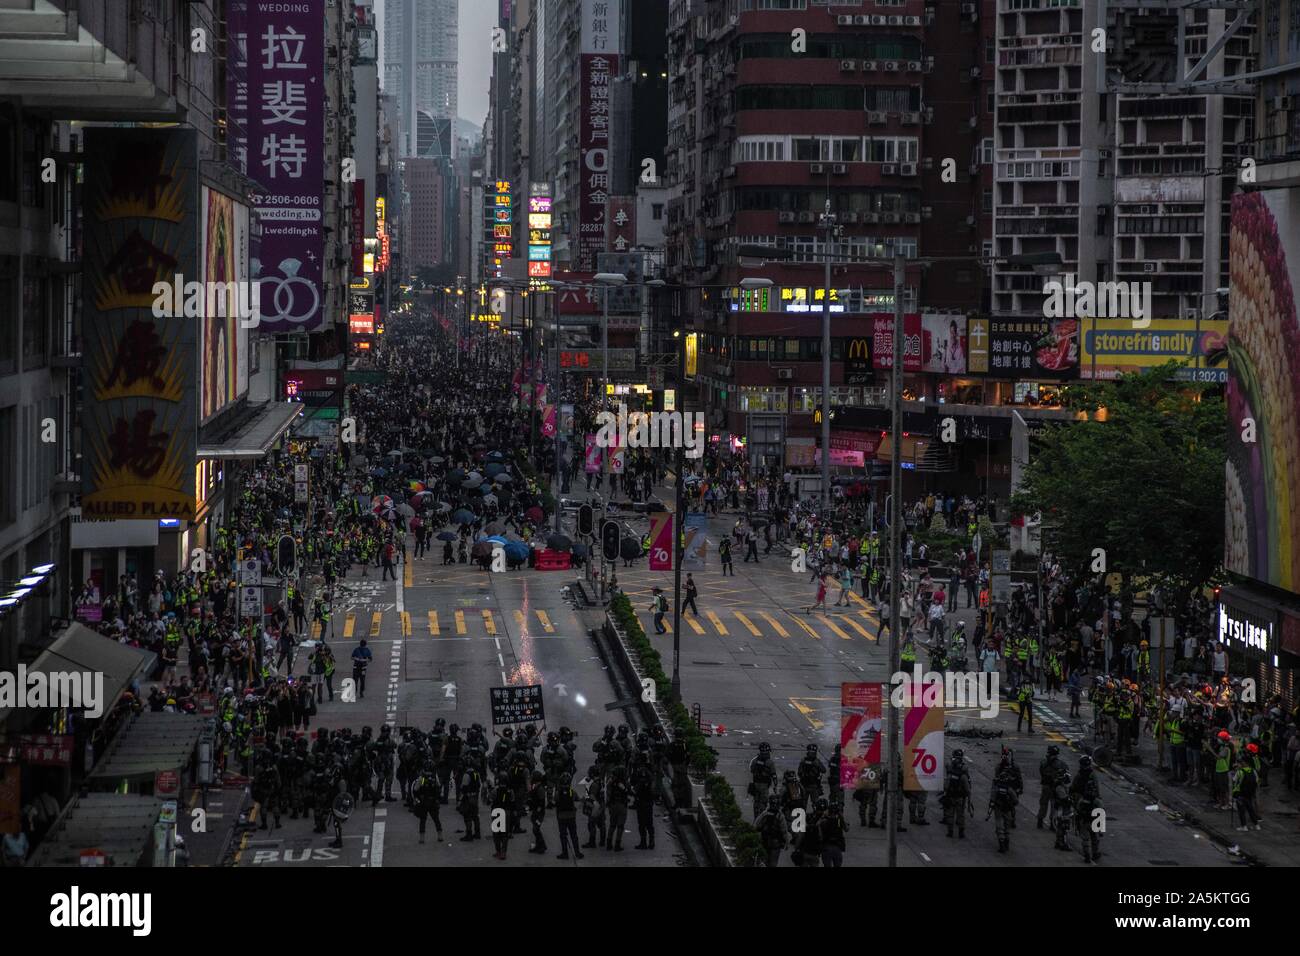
(508, 732)
(773, 802)
(958, 754)
(764, 747)
(623, 730)
(1053, 750)
(552, 738)
(1085, 762)
(812, 750)
(822, 803)
(454, 729)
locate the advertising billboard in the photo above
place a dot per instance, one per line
(595, 72)
(224, 342)
(1023, 347)
(861, 735)
(286, 141)
(141, 227)
(1118, 348)
(1262, 540)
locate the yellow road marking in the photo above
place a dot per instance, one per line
(699, 629)
(869, 615)
(804, 624)
(315, 630)
(547, 626)
(433, 623)
(807, 713)
(460, 622)
(519, 618)
(859, 628)
(489, 623)
(854, 596)
(775, 623)
(349, 625)
(717, 623)
(749, 624)
(406, 624)
(837, 629)
(375, 622)
(408, 575)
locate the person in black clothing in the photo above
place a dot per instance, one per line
(724, 555)
(566, 815)
(299, 608)
(537, 810)
(751, 550)
(447, 556)
(691, 592)
(503, 812)
(426, 802)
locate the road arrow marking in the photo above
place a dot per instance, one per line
(561, 690)
(449, 689)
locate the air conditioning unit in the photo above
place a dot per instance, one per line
(888, 169)
(1281, 102)
(839, 169)
(849, 217)
(871, 217)
(929, 64)
(877, 20)
(913, 217)
(1103, 154)
(877, 117)
(1058, 98)
(895, 21)
(817, 169)
(974, 72)
(784, 374)
(1148, 267)
(862, 20)
(912, 21)
(974, 122)
(973, 169)
(970, 220)
(870, 66)
(848, 66)
(891, 66)
(907, 169)
(927, 162)
(911, 119)
(928, 115)
(807, 217)
(785, 217)
(972, 248)
(927, 212)
(929, 15)
(1193, 315)
(889, 217)
(1144, 211)
(913, 66)
(844, 20)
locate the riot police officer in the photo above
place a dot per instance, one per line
(771, 826)
(424, 794)
(1051, 766)
(1086, 795)
(811, 772)
(1007, 787)
(617, 796)
(956, 794)
(762, 773)
(469, 785)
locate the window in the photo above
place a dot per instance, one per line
(986, 151)
(805, 399)
(656, 211)
(35, 319)
(986, 203)
(763, 399)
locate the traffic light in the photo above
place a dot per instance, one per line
(609, 540)
(287, 555)
(586, 520)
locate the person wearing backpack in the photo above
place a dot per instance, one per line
(659, 606)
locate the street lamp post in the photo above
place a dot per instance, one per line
(895, 782)
(828, 222)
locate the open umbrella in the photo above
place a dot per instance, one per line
(579, 550)
(495, 456)
(481, 549)
(516, 550)
(475, 477)
(559, 542)
(456, 474)
(395, 453)
(463, 516)
(443, 507)
(503, 479)
(436, 459)
(489, 499)
(406, 511)
(447, 536)
(494, 469)
(471, 482)
(533, 514)
(496, 527)
(629, 548)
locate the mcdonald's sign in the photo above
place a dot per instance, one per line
(857, 361)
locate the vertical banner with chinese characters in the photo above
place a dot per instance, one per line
(141, 227)
(860, 733)
(661, 541)
(595, 73)
(539, 231)
(286, 138)
(882, 342)
(622, 224)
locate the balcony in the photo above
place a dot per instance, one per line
(53, 63)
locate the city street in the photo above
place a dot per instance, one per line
(442, 636)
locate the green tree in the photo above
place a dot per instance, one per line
(1142, 479)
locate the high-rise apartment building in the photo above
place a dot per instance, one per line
(420, 61)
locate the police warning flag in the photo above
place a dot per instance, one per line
(517, 705)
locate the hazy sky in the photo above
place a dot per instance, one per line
(477, 17)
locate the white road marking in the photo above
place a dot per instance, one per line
(926, 858)
(500, 659)
(377, 844)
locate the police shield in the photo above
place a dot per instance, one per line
(343, 806)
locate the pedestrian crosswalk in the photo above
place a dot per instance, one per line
(851, 624)
(485, 623)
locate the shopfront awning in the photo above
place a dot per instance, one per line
(79, 650)
(117, 824)
(149, 743)
(253, 434)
